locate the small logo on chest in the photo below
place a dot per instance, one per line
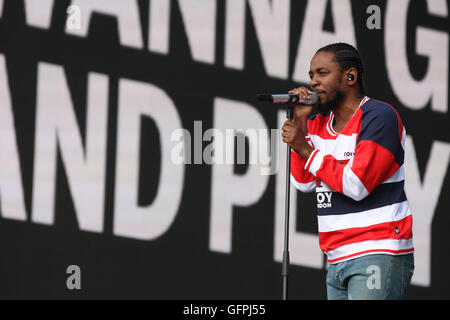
(349, 154)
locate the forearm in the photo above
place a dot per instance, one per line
(355, 179)
(302, 179)
(303, 148)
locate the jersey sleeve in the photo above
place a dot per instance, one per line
(302, 179)
(378, 154)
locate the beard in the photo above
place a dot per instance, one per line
(329, 104)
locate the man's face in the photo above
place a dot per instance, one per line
(326, 80)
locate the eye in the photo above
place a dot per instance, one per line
(323, 73)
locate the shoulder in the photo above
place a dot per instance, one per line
(380, 114)
(379, 110)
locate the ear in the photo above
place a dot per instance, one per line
(351, 76)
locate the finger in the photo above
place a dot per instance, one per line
(288, 123)
(304, 93)
(295, 90)
(286, 130)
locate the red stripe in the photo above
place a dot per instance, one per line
(386, 230)
(318, 127)
(369, 251)
(354, 124)
(318, 182)
(331, 172)
(311, 158)
(330, 128)
(300, 174)
(373, 164)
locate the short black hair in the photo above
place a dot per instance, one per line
(347, 57)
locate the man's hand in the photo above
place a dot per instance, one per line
(302, 111)
(295, 137)
(294, 131)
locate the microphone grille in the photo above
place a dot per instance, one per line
(314, 97)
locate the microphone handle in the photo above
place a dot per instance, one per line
(287, 98)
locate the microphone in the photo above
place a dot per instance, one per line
(285, 98)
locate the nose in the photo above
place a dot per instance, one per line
(314, 82)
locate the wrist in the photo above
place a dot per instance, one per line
(306, 151)
(302, 123)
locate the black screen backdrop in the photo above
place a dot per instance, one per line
(119, 153)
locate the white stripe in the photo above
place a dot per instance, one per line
(335, 147)
(353, 248)
(363, 101)
(324, 187)
(373, 252)
(397, 176)
(351, 184)
(316, 163)
(330, 125)
(303, 187)
(393, 212)
(309, 159)
(403, 138)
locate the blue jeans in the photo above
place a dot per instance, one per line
(371, 277)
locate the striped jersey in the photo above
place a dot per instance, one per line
(358, 177)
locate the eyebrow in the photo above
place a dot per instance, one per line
(317, 70)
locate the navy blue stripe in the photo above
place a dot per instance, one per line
(380, 124)
(385, 194)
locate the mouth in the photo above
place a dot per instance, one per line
(321, 95)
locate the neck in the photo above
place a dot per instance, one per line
(344, 111)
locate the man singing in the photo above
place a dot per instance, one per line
(351, 153)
